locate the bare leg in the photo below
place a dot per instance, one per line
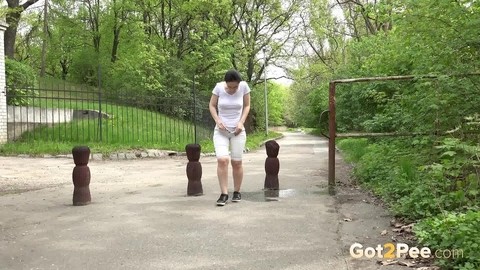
(222, 173)
(237, 174)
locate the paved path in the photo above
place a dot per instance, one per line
(140, 217)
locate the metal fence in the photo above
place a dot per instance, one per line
(87, 114)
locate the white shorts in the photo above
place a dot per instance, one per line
(224, 141)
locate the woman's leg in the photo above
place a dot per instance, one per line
(237, 169)
(222, 173)
(237, 146)
(221, 143)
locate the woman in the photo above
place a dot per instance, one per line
(232, 98)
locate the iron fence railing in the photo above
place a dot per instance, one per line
(83, 115)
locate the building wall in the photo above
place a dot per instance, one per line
(3, 94)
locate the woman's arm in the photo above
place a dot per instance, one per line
(212, 106)
(245, 111)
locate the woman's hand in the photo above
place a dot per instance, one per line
(239, 128)
(221, 126)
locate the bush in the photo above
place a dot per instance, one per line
(21, 79)
(357, 148)
(453, 231)
(443, 195)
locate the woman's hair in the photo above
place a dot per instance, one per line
(233, 76)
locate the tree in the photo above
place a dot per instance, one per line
(256, 25)
(44, 40)
(366, 17)
(120, 15)
(93, 20)
(15, 10)
(65, 38)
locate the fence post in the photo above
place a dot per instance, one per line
(3, 90)
(332, 134)
(100, 118)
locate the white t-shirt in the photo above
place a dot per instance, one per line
(230, 106)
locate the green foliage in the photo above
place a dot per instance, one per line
(21, 79)
(277, 96)
(420, 177)
(276, 104)
(257, 105)
(413, 47)
(126, 46)
(455, 178)
(443, 195)
(309, 96)
(356, 148)
(456, 232)
(393, 169)
(127, 128)
(139, 72)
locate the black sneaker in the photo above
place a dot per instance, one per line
(236, 196)
(222, 200)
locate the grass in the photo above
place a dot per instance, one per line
(354, 149)
(127, 128)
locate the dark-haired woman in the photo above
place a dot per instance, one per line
(229, 107)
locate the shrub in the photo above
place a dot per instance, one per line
(443, 195)
(453, 231)
(21, 79)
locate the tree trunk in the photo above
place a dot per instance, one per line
(147, 24)
(162, 22)
(44, 41)
(13, 17)
(93, 20)
(64, 63)
(116, 41)
(11, 33)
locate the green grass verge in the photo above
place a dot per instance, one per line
(127, 128)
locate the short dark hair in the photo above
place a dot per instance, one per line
(233, 76)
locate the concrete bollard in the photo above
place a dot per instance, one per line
(81, 176)
(272, 165)
(194, 170)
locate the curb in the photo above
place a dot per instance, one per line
(126, 155)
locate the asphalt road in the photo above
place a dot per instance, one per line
(141, 218)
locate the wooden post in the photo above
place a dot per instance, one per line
(194, 170)
(81, 176)
(272, 165)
